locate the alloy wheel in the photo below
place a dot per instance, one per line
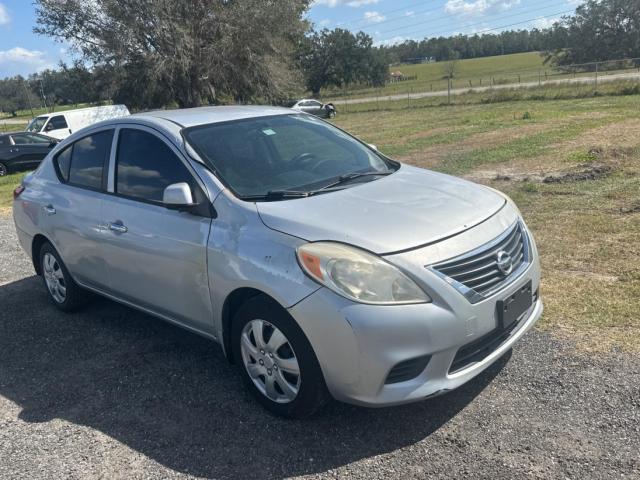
(3, 170)
(54, 278)
(270, 361)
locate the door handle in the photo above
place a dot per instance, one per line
(118, 227)
(49, 210)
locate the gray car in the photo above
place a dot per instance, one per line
(322, 267)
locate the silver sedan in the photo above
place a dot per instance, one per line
(322, 267)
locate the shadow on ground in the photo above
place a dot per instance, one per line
(171, 395)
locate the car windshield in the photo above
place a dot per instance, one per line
(36, 124)
(284, 153)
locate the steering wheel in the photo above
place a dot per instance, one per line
(304, 160)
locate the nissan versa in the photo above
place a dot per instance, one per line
(322, 267)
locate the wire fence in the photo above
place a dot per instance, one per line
(585, 76)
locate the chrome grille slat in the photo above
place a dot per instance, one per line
(478, 270)
(478, 257)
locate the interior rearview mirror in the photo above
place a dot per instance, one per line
(178, 196)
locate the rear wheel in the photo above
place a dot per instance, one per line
(276, 360)
(65, 294)
(3, 169)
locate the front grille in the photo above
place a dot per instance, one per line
(479, 271)
(407, 370)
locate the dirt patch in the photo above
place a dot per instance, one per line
(634, 207)
(602, 162)
(589, 171)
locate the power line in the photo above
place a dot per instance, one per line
(423, 24)
(395, 19)
(540, 17)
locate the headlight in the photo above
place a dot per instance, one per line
(358, 275)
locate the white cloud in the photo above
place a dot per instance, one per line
(373, 17)
(324, 23)
(478, 7)
(409, 13)
(542, 23)
(4, 15)
(20, 61)
(348, 3)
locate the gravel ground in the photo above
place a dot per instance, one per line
(113, 393)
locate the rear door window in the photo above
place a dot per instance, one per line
(83, 163)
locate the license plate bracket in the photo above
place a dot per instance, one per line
(511, 308)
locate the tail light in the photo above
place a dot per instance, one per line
(18, 191)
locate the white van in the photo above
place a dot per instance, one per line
(61, 125)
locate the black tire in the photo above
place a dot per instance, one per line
(312, 393)
(3, 170)
(75, 296)
(332, 114)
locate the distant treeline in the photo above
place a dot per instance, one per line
(475, 46)
(597, 31)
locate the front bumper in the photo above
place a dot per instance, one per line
(358, 345)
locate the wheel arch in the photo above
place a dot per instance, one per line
(36, 245)
(232, 303)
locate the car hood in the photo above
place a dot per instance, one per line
(408, 209)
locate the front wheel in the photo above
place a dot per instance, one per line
(276, 360)
(3, 169)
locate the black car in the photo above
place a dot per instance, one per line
(23, 150)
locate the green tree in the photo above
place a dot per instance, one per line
(15, 95)
(189, 51)
(338, 58)
(599, 30)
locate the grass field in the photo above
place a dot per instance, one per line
(472, 73)
(573, 167)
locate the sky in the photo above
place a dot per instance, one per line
(387, 21)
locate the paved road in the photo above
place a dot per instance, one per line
(112, 393)
(460, 91)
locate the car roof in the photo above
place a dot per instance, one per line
(191, 117)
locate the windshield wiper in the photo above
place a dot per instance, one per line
(352, 176)
(278, 195)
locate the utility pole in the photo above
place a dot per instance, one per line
(26, 92)
(44, 97)
(449, 91)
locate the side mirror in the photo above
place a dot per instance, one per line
(373, 147)
(178, 196)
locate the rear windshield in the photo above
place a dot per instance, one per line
(284, 152)
(36, 124)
